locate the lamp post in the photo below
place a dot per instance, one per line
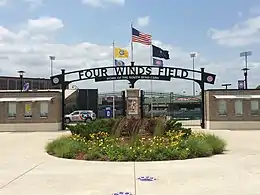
(193, 55)
(52, 58)
(245, 55)
(21, 73)
(226, 85)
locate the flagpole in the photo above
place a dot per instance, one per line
(132, 45)
(113, 63)
(151, 82)
(114, 84)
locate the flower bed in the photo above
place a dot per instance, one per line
(107, 144)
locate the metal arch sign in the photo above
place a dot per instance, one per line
(134, 73)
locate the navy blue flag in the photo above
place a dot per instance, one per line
(119, 63)
(157, 62)
(160, 53)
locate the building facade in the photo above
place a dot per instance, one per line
(232, 109)
(30, 111)
(14, 83)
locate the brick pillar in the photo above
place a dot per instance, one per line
(133, 103)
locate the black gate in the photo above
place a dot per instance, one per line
(133, 73)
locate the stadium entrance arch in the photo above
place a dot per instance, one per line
(133, 73)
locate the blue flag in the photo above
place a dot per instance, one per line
(119, 63)
(157, 62)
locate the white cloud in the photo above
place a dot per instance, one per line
(3, 2)
(30, 47)
(45, 24)
(103, 3)
(143, 21)
(34, 3)
(241, 34)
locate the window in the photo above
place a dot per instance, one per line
(222, 107)
(3, 84)
(35, 84)
(17, 84)
(238, 107)
(12, 109)
(12, 85)
(28, 110)
(75, 113)
(254, 107)
(42, 85)
(44, 109)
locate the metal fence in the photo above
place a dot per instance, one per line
(181, 107)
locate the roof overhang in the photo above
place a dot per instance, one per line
(26, 99)
(68, 92)
(237, 96)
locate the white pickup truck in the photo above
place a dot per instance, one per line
(80, 116)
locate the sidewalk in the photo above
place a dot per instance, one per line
(26, 170)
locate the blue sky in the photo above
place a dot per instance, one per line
(184, 25)
(179, 23)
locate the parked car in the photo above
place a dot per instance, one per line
(80, 116)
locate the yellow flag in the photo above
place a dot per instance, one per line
(121, 53)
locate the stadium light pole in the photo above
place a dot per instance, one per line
(226, 85)
(193, 55)
(245, 55)
(52, 58)
(21, 73)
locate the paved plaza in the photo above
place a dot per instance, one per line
(25, 169)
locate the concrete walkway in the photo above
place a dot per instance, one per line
(26, 170)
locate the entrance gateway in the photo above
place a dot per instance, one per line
(132, 74)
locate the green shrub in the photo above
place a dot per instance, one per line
(174, 125)
(197, 147)
(160, 126)
(171, 146)
(218, 144)
(84, 130)
(130, 127)
(65, 147)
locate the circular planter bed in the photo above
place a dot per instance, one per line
(135, 140)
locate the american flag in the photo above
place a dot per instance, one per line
(140, 37)
(157, 62)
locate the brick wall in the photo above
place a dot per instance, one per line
(211, 106)
(54, 108)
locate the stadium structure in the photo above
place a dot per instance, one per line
(14, 83)
(157, 104)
